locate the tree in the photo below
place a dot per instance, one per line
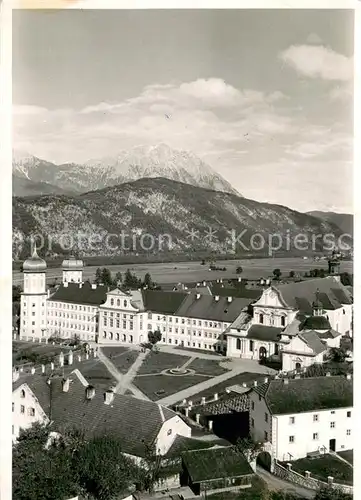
(154, 337)
(249, 448)
(239, 270)
(118, 279)
(17, 293)
(148, 281)
(131, 281)
(106, 277)
(292, 274)
(103, 470)
(70, 465)
(277, 273)
(39, 472)
(150, 469)
(98, 276)
(346, 279)
(203, 263)
(337, 355)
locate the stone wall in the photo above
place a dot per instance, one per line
(306, 481)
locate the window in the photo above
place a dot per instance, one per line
(22, 409)
(283, 321)
(315, 436)
(105, 321)
(251, 345)
(291, 439)
(33, 313)
(332, 425)
(131, 325)
(252, 422)
(149, 315)
(124, 324)
(266, 417)
(22, 393)
(238, 344)
(348, 432)
(292, 420)
(13, 405)
(252, 405)
(125, 303)
(348, 414)
(265, 435)
(315, 418)
(261, 318)
(169, 432)
(118, 302)
(31, 412)
(111, 322)
(332, 412)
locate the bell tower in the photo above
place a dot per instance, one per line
(334, 265)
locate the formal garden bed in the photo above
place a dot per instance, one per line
(124, 360)
(207, 367)
(157, 361)
(112, 351)
(159, 386)
(323, 466)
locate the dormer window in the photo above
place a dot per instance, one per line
(118, 302)
(283, 321)
(112, 302)
(125, 303)
(261, 318)
(22, 393)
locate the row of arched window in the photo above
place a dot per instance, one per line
(112, 302)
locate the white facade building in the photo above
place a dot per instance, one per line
(313, 308)
(295, 417)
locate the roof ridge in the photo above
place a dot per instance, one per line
(161, 412)
(80, 376)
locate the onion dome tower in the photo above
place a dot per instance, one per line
(72, 270)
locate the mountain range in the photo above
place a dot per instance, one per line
(343, 221)
(139, 162)
(176, 217)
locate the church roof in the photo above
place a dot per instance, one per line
(316, 323)
(306, 394)
(83, 294)
(264, 332)
(329, 291)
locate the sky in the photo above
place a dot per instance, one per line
(265, 97)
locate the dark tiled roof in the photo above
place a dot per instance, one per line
(300, 295)
(316, 323)
(216, 463)
(84, 295)
(264, 332)
(236, 291)
(162, 302)
(329, 334)
(206, 307)
(313, 341)
(307, 394)
(136, 422)
(183, 443)
(226, 405)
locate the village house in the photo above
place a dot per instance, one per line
(142, 426)
(296, 417)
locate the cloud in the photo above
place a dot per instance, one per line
(318, 62)
(201, 115)
(342, 92)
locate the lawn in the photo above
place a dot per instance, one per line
(221, 387)
(160, 386)
(202, 351)
(347, 455)
(26, 352)
(125, 360)
(113, 351)
(156, 362)
(323, 466)
(207, 367)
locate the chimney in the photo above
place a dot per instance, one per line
(94, 285)
(285, 381)
(255, 383)
(239, 279)
(32, 371)
(198, 284)
(229, 299)
(328, 374)
(89, 392)
(48, 292)
(15, 375)
(261, 281)
(108, 397)
(348, 376)
(204, 283)
(198, 296)
(216, 298)
(70, 358)
(268, 281)
(266, 380)
(65, 384)
(80, 285)
(65, 284)
(210, 425)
